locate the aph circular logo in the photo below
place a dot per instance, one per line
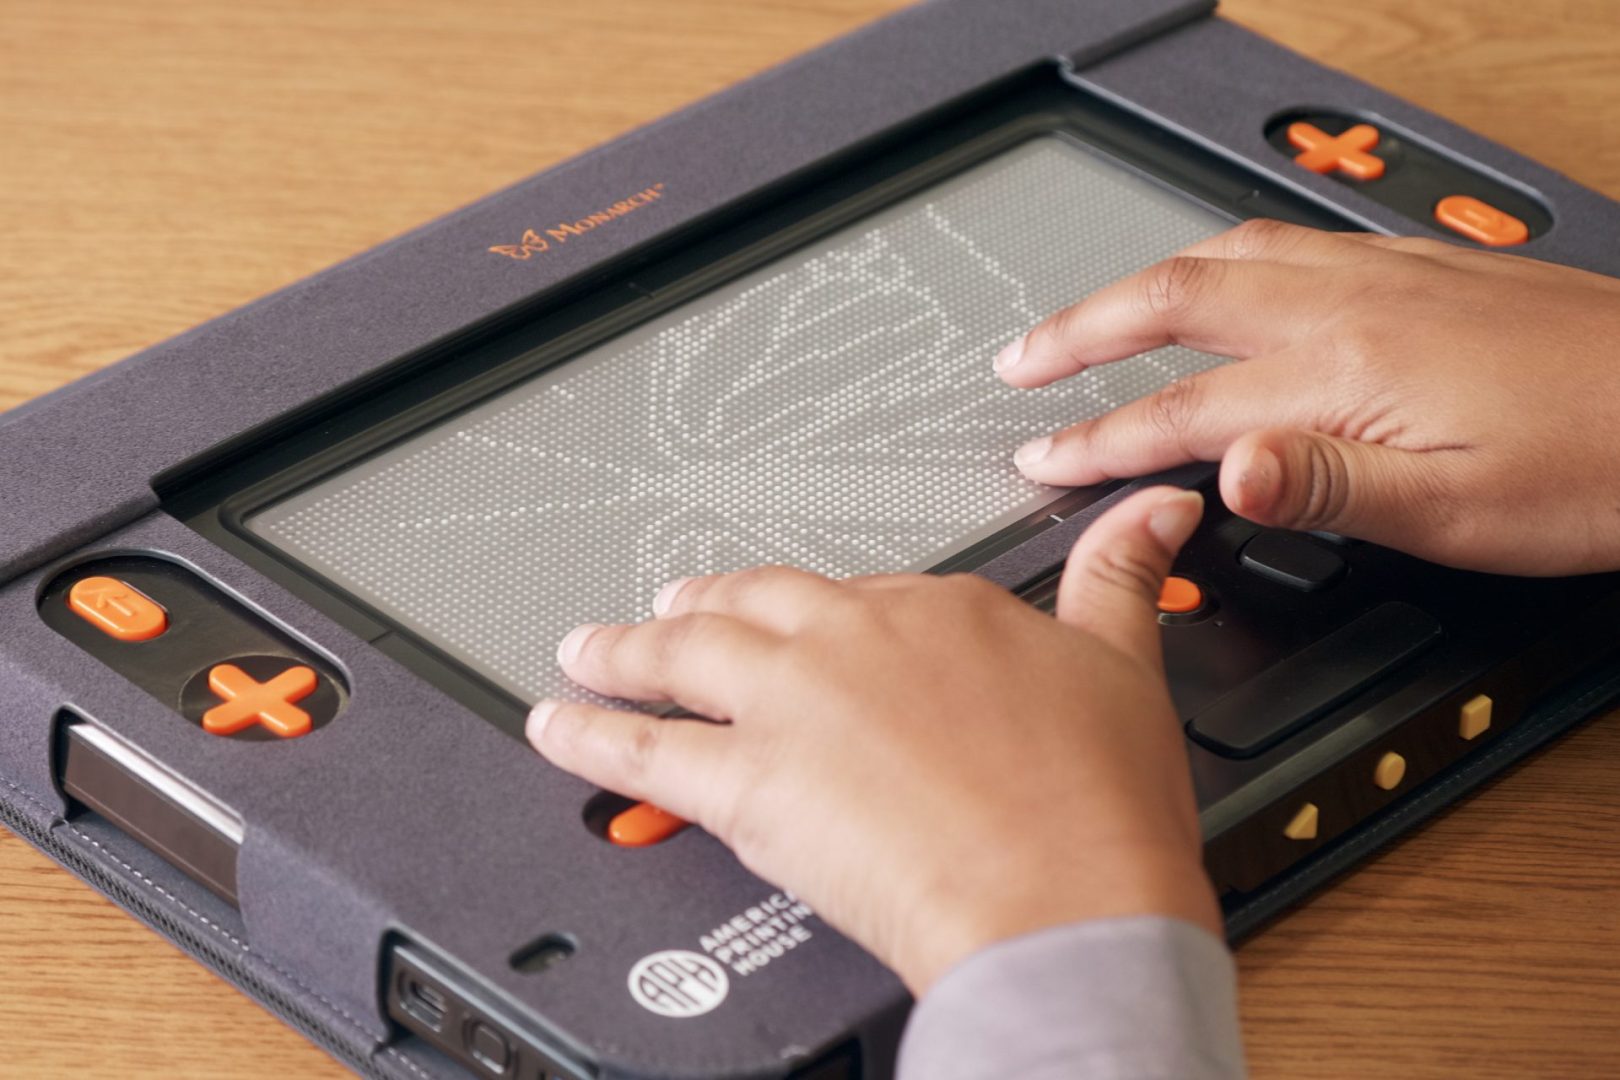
(678, 983)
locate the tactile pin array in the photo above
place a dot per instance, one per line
(834, 410)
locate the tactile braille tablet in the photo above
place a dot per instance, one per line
(834, 410)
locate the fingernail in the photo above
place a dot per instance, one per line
(539, 717)
(1175, 517)
(1260, 479)
(666, 596)
(568, 649)
(1031, 453)
(1008, 357)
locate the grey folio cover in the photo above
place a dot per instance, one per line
(480, 849)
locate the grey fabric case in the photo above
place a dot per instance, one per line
(338, 854)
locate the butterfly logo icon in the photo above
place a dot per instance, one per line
(532, 242)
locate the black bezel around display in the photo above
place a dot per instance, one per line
(214, 495)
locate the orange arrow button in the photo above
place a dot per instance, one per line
(117, 610)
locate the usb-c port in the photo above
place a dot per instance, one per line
(425, 1004)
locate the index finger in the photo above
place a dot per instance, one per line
(690, 768)
(1225, 306)
(1191, 419)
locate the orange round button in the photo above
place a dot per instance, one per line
(1180, 596)
(644, 825)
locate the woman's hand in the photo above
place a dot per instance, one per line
(1456, 404)
(930, 763)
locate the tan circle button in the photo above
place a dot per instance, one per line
(1390, 771)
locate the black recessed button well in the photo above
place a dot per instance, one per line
(1432, 187)
(1287, 696)
(1290, 559)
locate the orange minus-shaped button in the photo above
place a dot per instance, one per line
(644, 825)
(1480, 221)
(1180, 596)
(117, 610)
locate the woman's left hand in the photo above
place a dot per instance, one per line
(892, 746)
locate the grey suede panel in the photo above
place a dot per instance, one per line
(409, 812)
(86, 462)
(220, 942)
(415, 1060)
(29, 698)
(171, 891)
(1229, 82)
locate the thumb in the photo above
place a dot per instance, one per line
(1306, 480)
(1112, 582)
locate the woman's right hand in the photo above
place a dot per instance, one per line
(1457, 404)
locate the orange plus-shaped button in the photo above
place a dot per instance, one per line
(1347, 153)
(248, 702)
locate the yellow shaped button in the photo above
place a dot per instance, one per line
(1474, 719)
(1389, 772)
(1303, 827)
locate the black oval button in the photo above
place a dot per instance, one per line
(1290, 559)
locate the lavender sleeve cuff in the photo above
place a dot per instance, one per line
(1139, 998)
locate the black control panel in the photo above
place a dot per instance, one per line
(186, 642)
(1322, 680)
(1411, 176)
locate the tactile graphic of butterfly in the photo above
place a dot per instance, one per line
(835, 411)
(532, 242)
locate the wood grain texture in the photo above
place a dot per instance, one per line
(166, 162)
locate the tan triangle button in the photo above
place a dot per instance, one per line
(1303, 827)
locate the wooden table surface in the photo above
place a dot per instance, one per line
(165, 162)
